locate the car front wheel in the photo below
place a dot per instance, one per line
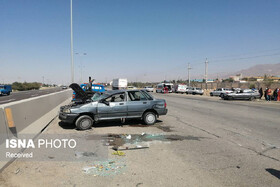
(84, 122)
(149, 118)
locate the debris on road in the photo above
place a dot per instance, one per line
(123, 142)
(106, 168)
(17, 171)
(128, 137)
(129, 148)
(119, 153)
(84, 154)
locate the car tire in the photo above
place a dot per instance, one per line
(211, 94)
(8, 93)
(84, 122)
(193, 93)
(222, 95)
(230, 98)
(149, 118)
(252, 98)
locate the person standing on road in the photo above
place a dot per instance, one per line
(275, 94)
(269, 93)
(261, 92)
(265, 94)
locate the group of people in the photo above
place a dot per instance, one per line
(269, 95)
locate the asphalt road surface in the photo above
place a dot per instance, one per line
(16, 96)
(200, 142)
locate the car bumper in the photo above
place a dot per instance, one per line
(162, 111)
(181, 91)
(67, 117)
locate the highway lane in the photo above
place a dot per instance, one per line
(243, 138)
(16, 96)
(211, 143)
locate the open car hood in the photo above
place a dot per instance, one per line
(79, 91)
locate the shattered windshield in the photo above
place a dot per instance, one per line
(98, 96)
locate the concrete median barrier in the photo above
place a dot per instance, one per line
(29, 116)
(3, 127)
(25, 113)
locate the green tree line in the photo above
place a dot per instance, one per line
(26, 86)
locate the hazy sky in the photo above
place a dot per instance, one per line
(143, 40)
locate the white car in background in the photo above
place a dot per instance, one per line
(195, 91)
(221, 92)
(149, 88)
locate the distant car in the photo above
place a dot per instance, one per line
(5, 89)
(241, 95)
(180, 88)
(64, 87)
(113, 104)
(221, 92)
(149, 88)
(195, 91)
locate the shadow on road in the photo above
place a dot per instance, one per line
(274, 172)
(111, 123)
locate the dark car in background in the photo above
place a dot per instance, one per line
(113, 104)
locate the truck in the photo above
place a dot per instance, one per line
(119, 84)
(5, 89)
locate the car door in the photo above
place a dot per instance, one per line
(218, 92)
(137, 103)
(116, 107)
(240, 95)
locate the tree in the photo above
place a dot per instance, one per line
(251, 86)
(267, 82)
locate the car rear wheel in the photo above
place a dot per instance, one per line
(84, 122)
(211, 94)
(252, 98)
(222, 95)
(149, 118)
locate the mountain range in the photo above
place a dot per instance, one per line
(257, 70)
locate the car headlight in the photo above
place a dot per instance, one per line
(66, 110)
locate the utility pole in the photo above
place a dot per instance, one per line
(206, 72)
(189, 79)
(72, 57)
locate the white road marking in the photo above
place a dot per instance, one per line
(34, 95)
